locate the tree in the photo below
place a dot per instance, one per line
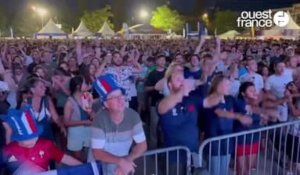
(3, 21)
(226, 20)
(165, 18)
(95, 19)
(26, 23)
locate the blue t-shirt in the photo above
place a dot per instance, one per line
(179, 125)
(240, 107)
(242, 71)
(217, 126)
(192, 75)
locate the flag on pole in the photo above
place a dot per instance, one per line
(11, 32)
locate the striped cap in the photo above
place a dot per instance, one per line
(104, 85)
(23, 124)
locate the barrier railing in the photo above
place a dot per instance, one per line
(272, 150)
(167, 161)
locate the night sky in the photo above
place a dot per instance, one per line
(184, 6)
(126, 9)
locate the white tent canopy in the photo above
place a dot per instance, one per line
(106, 30)
(291, 29)
(82, 30)
(292, 25)
(229, 34)
(51, 30)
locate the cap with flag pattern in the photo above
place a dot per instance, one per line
(23, 124)
(106, 84)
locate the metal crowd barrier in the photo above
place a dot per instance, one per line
(166, 161)
(269, 150)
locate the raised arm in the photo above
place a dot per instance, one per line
(136, 55)
(169, 102)
(68, 109)
(200, 45)
(235, 116)
(101, 68)
(218, 42)
(123, 50)
(98, 48)
(55, 117)
(79, 52)
(3, 53)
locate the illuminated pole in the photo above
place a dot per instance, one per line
(144, 14)
(41, 12)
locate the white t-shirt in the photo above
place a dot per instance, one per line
(221, 67)
(276, 84)
(234, 87)
(289, 72)
(254, 78)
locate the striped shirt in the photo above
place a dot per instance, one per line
(116, 139)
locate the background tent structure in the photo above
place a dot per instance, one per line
(229, 34)
(106, 31)
(82, 31)
(144, 31)
(291, 30)
(50, 30)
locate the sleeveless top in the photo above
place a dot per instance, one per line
(42, 117)
(78, 114)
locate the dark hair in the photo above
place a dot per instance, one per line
(86, 74)
(31, 82)
(16, 66)
(207, 56)
(243, 88)
(116, 52)
(158, 57)
(194, 55)
(277, 62)
(74, 83)
(215, 83)
(260, 68)
(60, 71)
(151, 59)
(37, 67)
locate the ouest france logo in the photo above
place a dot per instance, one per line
(262, 19)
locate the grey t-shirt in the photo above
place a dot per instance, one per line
(116, 139)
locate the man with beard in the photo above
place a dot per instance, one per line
(178, 114)
(124, 76)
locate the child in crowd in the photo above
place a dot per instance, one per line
(28, 152)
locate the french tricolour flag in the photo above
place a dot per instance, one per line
(28, 122)
(91, 168)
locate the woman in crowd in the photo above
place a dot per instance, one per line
(218, 109)
(77, 118)
(73, 66)
(43, 107)
(248, 145)
(263, 70)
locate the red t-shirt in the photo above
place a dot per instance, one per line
(43, 151)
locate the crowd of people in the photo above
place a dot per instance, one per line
(94, 98)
